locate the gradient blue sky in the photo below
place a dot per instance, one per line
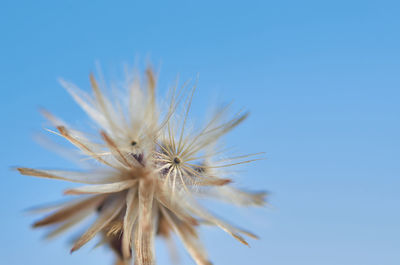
(321, 79)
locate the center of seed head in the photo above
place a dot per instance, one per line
(177, 160)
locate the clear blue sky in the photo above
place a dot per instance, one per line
(322, 82)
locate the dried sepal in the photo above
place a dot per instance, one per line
(71, 211)
(110, 210)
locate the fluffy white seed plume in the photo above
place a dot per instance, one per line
(151, 168)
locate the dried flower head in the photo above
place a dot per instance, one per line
(150, 170)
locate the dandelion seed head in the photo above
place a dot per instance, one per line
(151, 168)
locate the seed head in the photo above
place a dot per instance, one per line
(147, 186)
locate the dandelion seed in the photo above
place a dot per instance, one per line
(151, 170)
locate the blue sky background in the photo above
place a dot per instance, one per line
(321, 79)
